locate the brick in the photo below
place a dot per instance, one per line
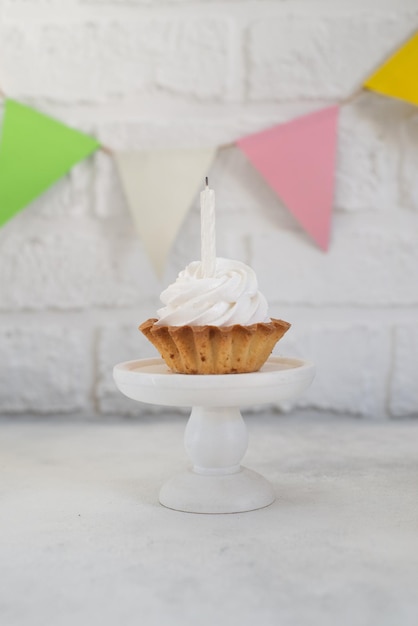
(185, 57)
(186, 246)
(108, 198)
(13, 8)
(73, 264)
(352, 364)
(409, 161)
(118, 343)
(195, 59)
(67, 197)
(181, 128)
(128, 2)
(318, 56)
(369, 154)
(371, 261)
(44, 368)
(404, 381)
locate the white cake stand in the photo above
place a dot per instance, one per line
(216, 436)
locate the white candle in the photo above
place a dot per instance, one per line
(207, 231)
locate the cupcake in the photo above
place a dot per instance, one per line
(214, 325)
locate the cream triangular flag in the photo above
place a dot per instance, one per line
(159, 186)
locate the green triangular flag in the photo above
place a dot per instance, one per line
(35, 151)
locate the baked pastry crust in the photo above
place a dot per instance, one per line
(233, 349)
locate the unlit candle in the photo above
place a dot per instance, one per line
(208, 236)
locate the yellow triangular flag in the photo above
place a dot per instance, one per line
(159, 187)
(398, 77)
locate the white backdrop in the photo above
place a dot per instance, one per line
(75, 280)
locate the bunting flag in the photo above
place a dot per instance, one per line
(297, 159)
(159, 187)
(35, 151)
(398, 77)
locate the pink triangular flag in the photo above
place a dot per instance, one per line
(297, 159)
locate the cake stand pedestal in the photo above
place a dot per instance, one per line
(216, 436)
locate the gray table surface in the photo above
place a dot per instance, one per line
(84, 540)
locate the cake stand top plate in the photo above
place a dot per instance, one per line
(150, 381)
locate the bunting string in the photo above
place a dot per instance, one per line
(106, 149)
(296, 158)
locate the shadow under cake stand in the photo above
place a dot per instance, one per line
(216, 436)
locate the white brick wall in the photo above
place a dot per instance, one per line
(74, 279)
(43, 367)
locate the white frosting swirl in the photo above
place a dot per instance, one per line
(230, 297)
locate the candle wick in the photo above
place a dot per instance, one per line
(207, 181)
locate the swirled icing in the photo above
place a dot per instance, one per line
(230, 297)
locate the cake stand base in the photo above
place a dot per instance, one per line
(216, 436)
(242, 491)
